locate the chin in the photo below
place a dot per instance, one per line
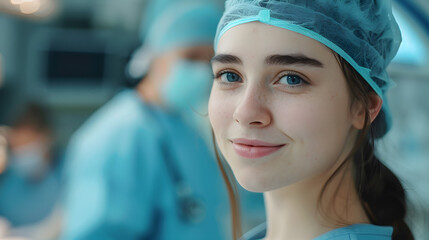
(256, 181)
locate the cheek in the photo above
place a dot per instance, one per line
(319, 124)
(220, 112)
(321, 110)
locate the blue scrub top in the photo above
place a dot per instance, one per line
(355, 232)
(25, 201)
(119, 186)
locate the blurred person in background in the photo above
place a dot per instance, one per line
(140, 167)
(30, 172)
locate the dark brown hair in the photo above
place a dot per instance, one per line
(33, 115)
(231, 186)
(380, 191)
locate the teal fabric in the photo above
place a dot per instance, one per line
(352, 232)
(174, 25)
(25, 201)
(364, 33)
(119, 186)
(181, 24)
(359, 232)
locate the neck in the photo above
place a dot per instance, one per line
(148, 90)
(297, 211)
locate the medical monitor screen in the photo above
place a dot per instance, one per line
(75, 68)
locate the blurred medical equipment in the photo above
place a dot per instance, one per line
(66, 61)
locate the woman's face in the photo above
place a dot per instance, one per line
(279, 107)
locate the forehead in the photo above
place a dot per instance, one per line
(258, 39)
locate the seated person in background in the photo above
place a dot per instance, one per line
(30, 169)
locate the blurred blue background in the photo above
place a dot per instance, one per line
(71, 55)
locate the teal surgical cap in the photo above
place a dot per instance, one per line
(180, 24)
(363, 32)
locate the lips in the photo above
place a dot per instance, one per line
(248, 148)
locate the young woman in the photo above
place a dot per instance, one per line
(297, 101)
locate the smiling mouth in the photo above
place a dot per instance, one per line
(254, 149)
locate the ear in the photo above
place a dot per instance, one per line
(374, 105)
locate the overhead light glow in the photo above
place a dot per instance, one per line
(17, 2)
(29, 6)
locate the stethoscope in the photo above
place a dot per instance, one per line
(191, 209)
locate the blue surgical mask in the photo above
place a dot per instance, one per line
(29, 160)
(186, 91)
(187, 86)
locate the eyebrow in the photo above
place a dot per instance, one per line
(226, 58)
(292, 59)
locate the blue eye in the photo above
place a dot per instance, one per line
(292, 80)
(230, 77)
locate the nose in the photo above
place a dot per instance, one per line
(253, 109)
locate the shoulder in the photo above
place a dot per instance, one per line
(256, 233)
(123, 128)
(359, 232)
(124, 108)
(355, 232)
(124, 115)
